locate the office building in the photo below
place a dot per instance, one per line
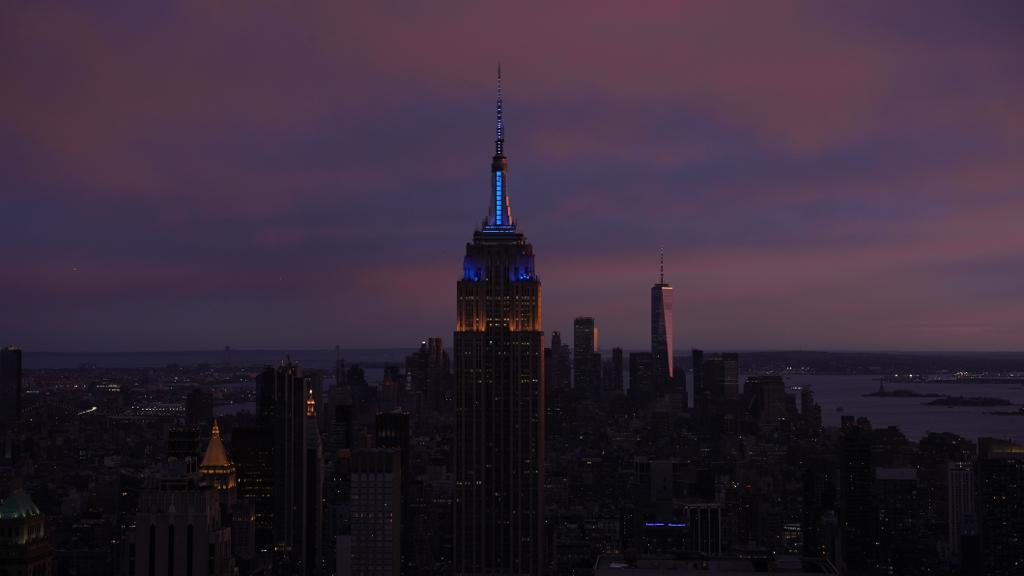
(810, 411)
(856, 479)
(641, 379)
(585, 378)
(429, 375)
(10, 385)
(392, 431)
(613, 372)
(10, 400)
(499, 382)
(961, 499)
(1000, 506)
(376, 541)
(217, 470)
(557, 365)
(766, 397)
(25, 547)
(898, 523)
(179, 530)
(715, 392)
(298, 467)
(253, 449)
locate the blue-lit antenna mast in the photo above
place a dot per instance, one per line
(500, 129)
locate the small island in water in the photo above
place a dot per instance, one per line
(883, 393)
(943, 399)
(1018, 412)
(902, 394)
(969, 401)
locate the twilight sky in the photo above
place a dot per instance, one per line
(822, 175)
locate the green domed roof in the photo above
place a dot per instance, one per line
(18, 505)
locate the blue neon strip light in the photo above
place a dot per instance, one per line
(498, 216)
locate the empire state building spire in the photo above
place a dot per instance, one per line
(500, 141)
(499, 217)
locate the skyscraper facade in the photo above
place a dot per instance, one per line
(715, 391)
(179, 530)
(24, 538)
(499, 389)
(377, 543)
(613, 379)
(586, 378)
(557, 365)
(298, 467)
(253, 450)
(430, 376)
(661, 332)
(1000, 506)
(856, 476)
(960, 503)
(640, 380)
(392, 431)
(10, 398)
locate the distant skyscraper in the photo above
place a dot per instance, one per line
(557, 365)
(614, 381)
(499, 389)
(661, 332)
(701, 394)
(716, 387)
(1001, 506)
(430, 375)
(585, 379)
(10, 398)
(313, 490)
(298, 467)
(640, 375)
(767, 394)
(810, 411)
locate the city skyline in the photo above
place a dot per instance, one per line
(821, 177)
(766, 227)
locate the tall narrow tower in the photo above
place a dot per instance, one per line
(499, 389)
(661, 331)
(289, 399)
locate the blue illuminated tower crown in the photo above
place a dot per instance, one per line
(499, 217)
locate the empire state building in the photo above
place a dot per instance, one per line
(499, 390)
